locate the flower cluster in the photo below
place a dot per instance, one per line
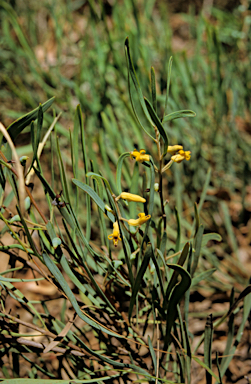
(142, 217)
(178, 153)
(139, 156)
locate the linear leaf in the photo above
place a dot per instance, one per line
(95, 197)
(61, 280)
(153, 89)
(169, 71)
(119, 170)
(208, 347)
(175, 274)
(74, 279)
(210, 236)
(202, 276)
(203, 365)
(158, 124)
(15, 128)
(138, 280)
(153, 354)
(197, 247)
(205, 188)
(99, 177)
(176, 295)
(132, 73)
(178, 114)
(110, 361)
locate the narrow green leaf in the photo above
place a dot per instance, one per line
(94, 197)
(177, 244)
(208, 339)
(153, 354)
(151, 203)
(63, 177)
(110, 361)
(178, 114)
(163, 243)
(80, 123)
(74, 279)
(197, 218)
(169, 71)
(158, 124)
(157, 268)
(176, 295)
(218, 367)
(153, 89)
(15, 128)
(202, 276)
(210, 236)
(229, 227)
(205, 188)
(188, 354)
(46, 185)
(97, 176)
(246, 313)
(217, 323)
(27, 233)
(175, 274)
(75, 140)
(230, 335)
(119, 170)
(197, 248)
(61, 280)
(139, 278)
(203, 365)
(132, 73)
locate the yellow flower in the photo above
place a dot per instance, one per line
(182, 155)
(130, 197)
(174, 148)
(115, 235)
(139, 156)
(141, 220)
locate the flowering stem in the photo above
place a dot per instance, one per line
(160, 176)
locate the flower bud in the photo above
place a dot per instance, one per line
(131, 197)
(156, 187)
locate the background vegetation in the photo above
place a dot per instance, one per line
(74, 51)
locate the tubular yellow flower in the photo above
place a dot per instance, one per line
(139, 156)
(130, 197)
(141, 220)
(174, 148)
(182, 155)
(115, 235)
